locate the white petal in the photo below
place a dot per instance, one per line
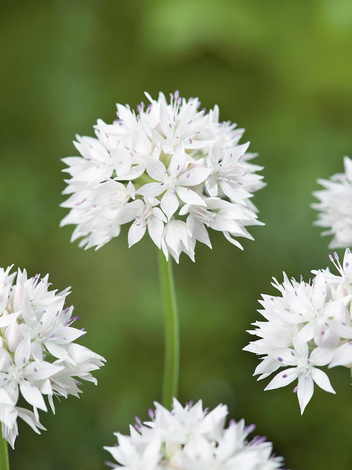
(301, 347)
(23, 352)
(165, 119)
(37, 371)
(56, 350)
(177, 237)
(177, 162)
(5, 398)
(319, 290)
(134, 173)
(321, 356)
(190, 197)
(136, 233)
(30, 419)
(306, 333)
(212, 186)
(322, 380)
(6, 320)
(282, 379)
(13, 335)
(305, 391)
(169, 204)
(128, 212)
(151, 189)
(233, 240)
(157, 213)
(156, 229)
(156, 169)
(32, 395)
(68, 334)
(235, 193)
(193, 176)
(266, 367)
(342, 355)
(198, 230)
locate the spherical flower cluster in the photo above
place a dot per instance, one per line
(335, 207)
(309, 325)
(38, 354)
(190, 438)
(171, 170)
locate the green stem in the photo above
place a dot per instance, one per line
(172, 337)
(4, 456)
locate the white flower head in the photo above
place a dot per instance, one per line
(188, 438)
(151, 168)
(335, 207)
(38, 355)
(308, 326)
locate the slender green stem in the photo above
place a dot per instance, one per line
(4, 456)
(172, 337)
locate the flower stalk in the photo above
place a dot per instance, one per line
(4, 456)
(171, 328)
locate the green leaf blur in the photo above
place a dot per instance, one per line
(282, 70)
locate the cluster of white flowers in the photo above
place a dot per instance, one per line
(308, 326)
(171, 169)
(38, 356)
(335, 207)
(190, 438)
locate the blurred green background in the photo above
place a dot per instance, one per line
(282, 70)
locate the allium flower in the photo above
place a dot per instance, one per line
(190, 438)
(169, 169)
(308, 326)
(335, 207)
(38, 355)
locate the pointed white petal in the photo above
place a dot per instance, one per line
(193, 176)
(319, 290)
(190, 197)
(5, 398)
(212, 186)
(30, 419)
(282, 379)
(305, 391)
(321, 356)
(177, 162)
(342, 355)
(158, 214)
(266, 367)
(306, 333)
(136, 233)
(233, 240)
(156, 169)
(198, 230)
(151, 189)
(169, 204)
(134, 173)
(57, 351)
(23, 352)
(68, 334)
(128, 212)
(6, 320)
(322, 380)
(156, 229)
(32, 395)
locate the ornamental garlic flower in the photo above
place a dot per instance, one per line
(38, 354)
(307, 327)
(188, 438)
(168, 169)
(335, 207)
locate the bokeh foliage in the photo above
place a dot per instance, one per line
(282, 70)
